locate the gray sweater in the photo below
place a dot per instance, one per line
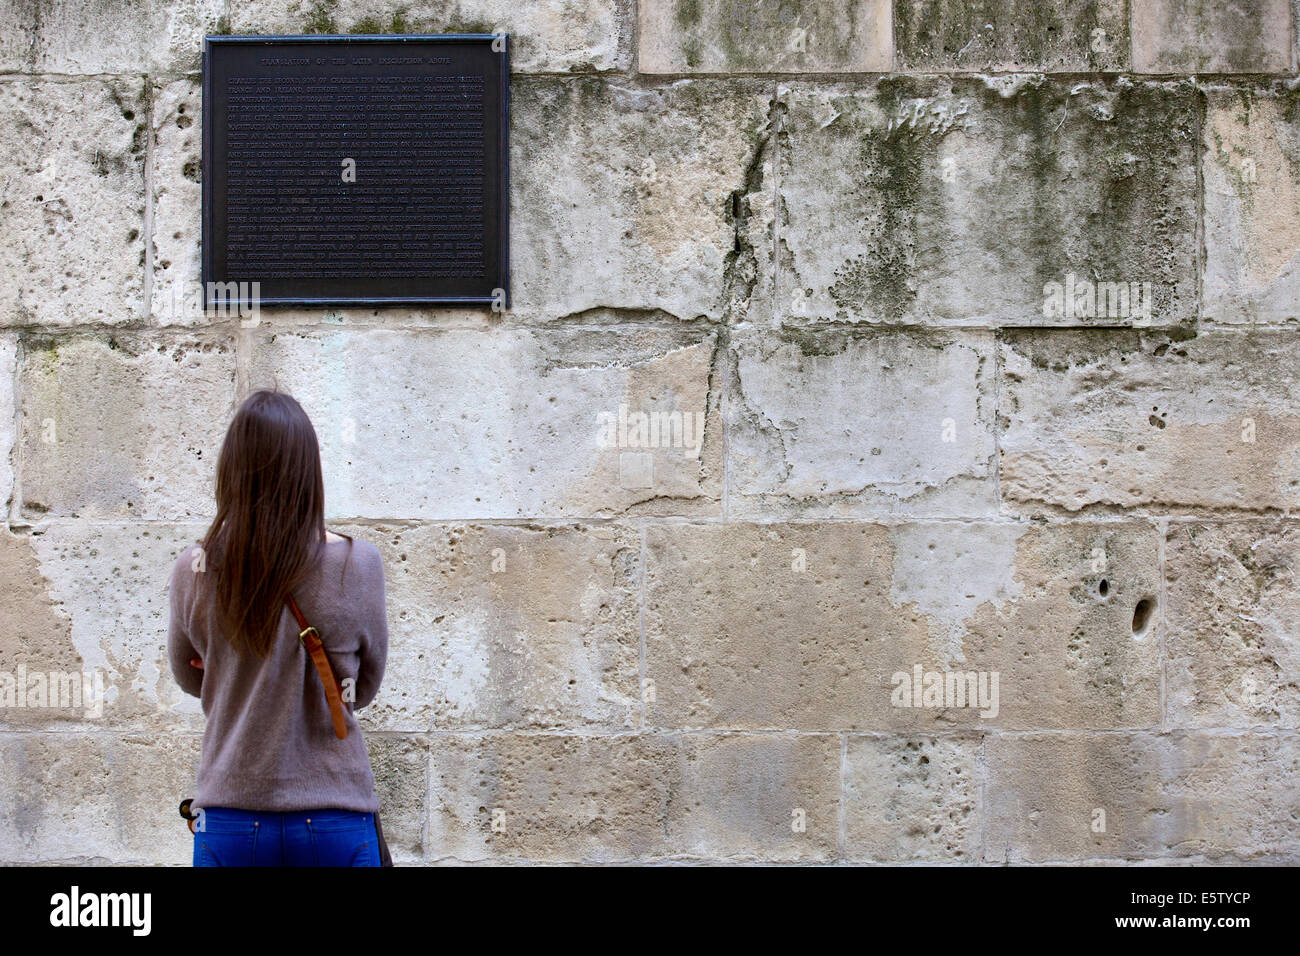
(269, 742)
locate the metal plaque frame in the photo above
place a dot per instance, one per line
(221, 53)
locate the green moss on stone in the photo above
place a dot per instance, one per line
(896, 164)
(691, 48)
(468, 25)
(321, 18)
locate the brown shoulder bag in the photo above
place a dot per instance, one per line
(309, 637)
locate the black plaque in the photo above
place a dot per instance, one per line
(356, 170)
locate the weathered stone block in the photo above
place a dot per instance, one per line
(401, 766)
(988, 201)
(72, 248)
(629, 198)
(1136, 419)
(106, 36)
(912, 798)
(854, 422)
(501, 627)
(757, 797)
(624, 797)
(504, 424)
(177, 203)
(804, 626)
(727, 36)
(118, 572)
(506, 796)
(8, 376)
(36, 647)
(1211, 36)
(124, 425)
(1217, 797)
(97, 798)
(550, 36)
(1233, 614)
(1012, 35)
(1252, 206)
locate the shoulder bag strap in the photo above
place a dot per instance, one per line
(309, 637)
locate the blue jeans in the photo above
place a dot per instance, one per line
(230, 837)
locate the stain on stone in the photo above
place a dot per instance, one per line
(34, 634)
(896, 164)
(1024, 34)
(320, 19)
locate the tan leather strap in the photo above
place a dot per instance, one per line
(310, 639)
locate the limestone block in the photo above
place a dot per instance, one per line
(634, 797)
(1146, 420)
(1220, 798)
(757, 797)
(832, 627)
(727, 36)
(550, 36)
(502, 627)
(854, 422)
(107, 36)
(988, 201)
(1012, 35)
(72, 248)
(507, 796)
(1211, 36)
(655, 199)
(1233, 659)
(96, 798)
(109, 581)
(912, 799)
(1252, 206)
(123, 425)
(504, 424)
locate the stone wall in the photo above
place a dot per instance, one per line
(848, 244)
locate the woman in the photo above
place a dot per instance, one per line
(276, 784)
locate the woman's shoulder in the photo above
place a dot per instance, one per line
(357, 552)
(189, 562)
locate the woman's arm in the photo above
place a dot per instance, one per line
(180, 651)
(374, 639)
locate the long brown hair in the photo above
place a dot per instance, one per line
(270, 522)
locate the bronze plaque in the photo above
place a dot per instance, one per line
(356, 170)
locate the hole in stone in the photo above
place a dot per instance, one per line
(1142, 616)
(1103, 588)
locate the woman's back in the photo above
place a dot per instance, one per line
(269, 742)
